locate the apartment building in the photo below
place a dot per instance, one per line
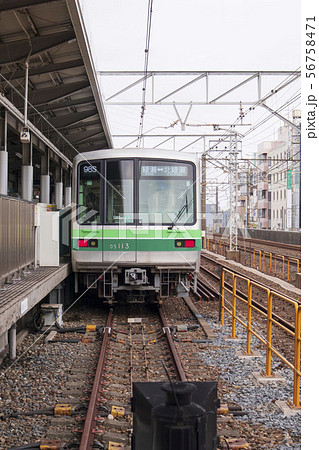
(278, 186)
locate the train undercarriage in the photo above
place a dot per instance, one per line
(137, 284)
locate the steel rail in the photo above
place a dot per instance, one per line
(177, 361)
(91, 415)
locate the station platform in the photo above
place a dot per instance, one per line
(18, 298)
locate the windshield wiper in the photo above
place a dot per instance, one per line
(180, 213)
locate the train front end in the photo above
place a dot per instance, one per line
(136, 233)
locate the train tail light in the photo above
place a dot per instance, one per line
(82, 243)
(182, 243)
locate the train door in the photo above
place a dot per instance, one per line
(119, 232)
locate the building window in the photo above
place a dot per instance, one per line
(285, 194)
(274, 196)
(277, 195)
(280, 195)
(263, 193)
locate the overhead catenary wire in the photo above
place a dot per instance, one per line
(146, 59)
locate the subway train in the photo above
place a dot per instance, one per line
(136, 230)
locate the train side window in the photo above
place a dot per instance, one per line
(89, 195)
(119, 188)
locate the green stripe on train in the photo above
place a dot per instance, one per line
(131, 233)
(132, 245)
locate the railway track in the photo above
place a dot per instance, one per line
(140, 344)
(92, 406)
(296, 248)
(266, 257)
(132, 355)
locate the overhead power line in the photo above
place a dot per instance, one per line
(146, 58)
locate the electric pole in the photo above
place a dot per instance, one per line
(203, 205)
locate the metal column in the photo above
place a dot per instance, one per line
(13, 342)
(58, 188)
(67, 189)
(3, 155)
(27, 172)
(45, 178)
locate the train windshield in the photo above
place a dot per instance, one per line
(119, 189)
(89, 199)
(166, 193)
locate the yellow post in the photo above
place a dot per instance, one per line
(249, 309)
(269, 333)
(296, 399)
(223, 297)
(234, 308)
(283, 267)
(288, 269)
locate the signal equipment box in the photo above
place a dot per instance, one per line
(158, 421)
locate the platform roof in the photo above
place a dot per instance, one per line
(65, 101)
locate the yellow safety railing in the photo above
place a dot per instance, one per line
(259, 258)
(254, 257)
(288, 266)
(270, 320)
(264, 262)
(283, 265)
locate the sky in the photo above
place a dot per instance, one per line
(201, 35)
(188, 35)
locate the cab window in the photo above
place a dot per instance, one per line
(89, 195)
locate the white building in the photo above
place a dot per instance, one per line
(284, 175)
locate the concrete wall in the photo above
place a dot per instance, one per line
(286, 237)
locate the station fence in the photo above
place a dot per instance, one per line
(17, 240)
(231, 307)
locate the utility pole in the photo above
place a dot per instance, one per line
(248, 197)
(216, 216)
(233, 185)
(203, 205)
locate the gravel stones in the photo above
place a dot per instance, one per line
(258, 399)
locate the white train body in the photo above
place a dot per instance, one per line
(136, 232)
